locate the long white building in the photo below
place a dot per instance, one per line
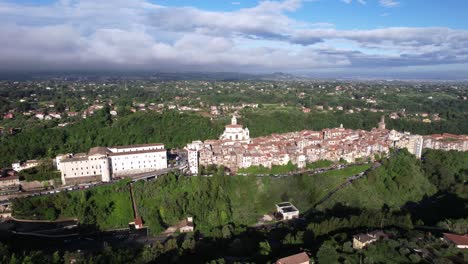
(103, 163)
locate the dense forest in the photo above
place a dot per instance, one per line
(101, 208)
(171, 128)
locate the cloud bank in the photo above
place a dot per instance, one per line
(140, 35)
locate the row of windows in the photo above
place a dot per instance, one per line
(132, 168)
(82, 174)
(137, 157)
(82, 168)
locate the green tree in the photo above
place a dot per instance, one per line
(264, 248)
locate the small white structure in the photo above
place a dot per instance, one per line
(301, 161)
(186, 225)
(287, 211)
(19, 166)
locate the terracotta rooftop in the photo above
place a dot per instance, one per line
(457, 239)
(98, 150)
(139, 221)
(294, 259)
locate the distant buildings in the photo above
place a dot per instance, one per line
(102, 163)
(446, 142)
(301, 258)
(235, 149)
(360, 241)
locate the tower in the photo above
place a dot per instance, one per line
(382, 123)
(106, 173)
(233, 120)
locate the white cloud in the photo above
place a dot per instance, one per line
(362, 2)
(83, 34)
(389, 3)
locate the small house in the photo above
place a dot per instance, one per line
(458, 240)
(362, 240)
(287, 211)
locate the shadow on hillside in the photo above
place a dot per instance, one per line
(440, 206)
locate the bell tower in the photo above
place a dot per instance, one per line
(233, 120)
(382, 123)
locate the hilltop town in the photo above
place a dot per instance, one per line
(235, 149)
(177, 161)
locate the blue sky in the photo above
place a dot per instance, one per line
(409, 13)
(348, 37)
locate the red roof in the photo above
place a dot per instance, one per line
(457, 239)
(294, 259)
(139, 221)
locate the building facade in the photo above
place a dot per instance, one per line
(102, 163)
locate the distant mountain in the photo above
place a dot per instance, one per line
(219, 76)
(165, 76)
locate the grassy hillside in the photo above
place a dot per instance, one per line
(396, 182)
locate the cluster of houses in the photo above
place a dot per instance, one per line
(216, 110)
(235, 149)
(361, 241)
